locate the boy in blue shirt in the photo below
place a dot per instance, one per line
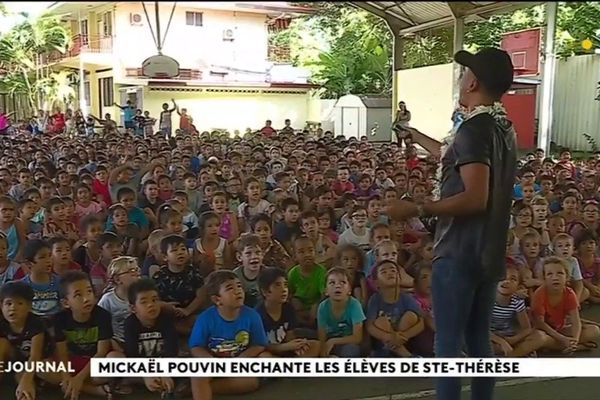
(227, 329)
(136, 215)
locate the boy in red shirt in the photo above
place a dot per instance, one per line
(342, 184)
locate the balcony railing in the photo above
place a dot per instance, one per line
(184, 74)
(81, 44)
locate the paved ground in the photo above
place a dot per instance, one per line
(398, 389)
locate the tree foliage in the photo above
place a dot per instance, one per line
(344, 46)
(20, 51)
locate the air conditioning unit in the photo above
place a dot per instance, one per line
(228, 34)
(135, 19)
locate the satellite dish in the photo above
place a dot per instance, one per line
(160, 66)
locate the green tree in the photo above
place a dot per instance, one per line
(20, 50)
(347, 50)
(339, 42)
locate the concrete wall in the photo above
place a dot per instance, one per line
(191, 45)
(427, 92)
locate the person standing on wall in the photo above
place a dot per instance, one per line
(478, 172)
(128, 114)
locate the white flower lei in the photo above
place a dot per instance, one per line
(496, 110)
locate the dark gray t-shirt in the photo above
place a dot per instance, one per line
(479, 240)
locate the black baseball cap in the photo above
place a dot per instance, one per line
(491, 66)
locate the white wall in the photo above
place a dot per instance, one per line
(427, 92)
(236, 110)
(191, 46)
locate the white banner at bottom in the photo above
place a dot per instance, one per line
(339, 367)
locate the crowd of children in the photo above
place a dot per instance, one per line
(270, 245)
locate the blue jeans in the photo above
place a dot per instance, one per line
(462, 305)
(346, 350)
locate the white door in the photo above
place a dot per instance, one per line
(350, 122)
(133, 93)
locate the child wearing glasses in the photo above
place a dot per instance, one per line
(122, 272)
(358, 233)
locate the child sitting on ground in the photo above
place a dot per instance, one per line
(250, 255)
(324, 218)
(211, 252)
(422, 257)
(279, 318)
(386, 250)
(127, 232)
(423, 343)
(57, 223)
(340, 318)
(150, 331)
(352, 259)
(22, 334)
(324, 247)
(530, 261)
(217, 333)
(178, 283)
(563, 247)
(393, 317)
(154, 258)
(358, 233)
(86, 252)
(274, 254)
(509, 309)
(589, 262)
(45, 284)
(110, 248)
(254, 204)
(286, 230)
(83, 331)
(229, 229)
(553, 304)
(189, 217)
(122, 272)
(307, 282)
(27, 210)
(12, 227)
(378, 233)
(9, 270)
(62, 259)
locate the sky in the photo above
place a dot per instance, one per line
(33, 8)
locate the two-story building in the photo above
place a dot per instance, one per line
(230, 77)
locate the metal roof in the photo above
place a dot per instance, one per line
(376, 101)
(414, 16)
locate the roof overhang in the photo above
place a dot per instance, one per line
(406, 17)
(273, 9)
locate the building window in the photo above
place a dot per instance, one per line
(107, 24)
(86, 92)
(193, 18)
(106, 87)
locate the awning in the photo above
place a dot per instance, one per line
(415, 16)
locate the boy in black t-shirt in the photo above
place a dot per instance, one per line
(179, 283)
(150, 332)
(83, 330)
(279, 317)
(22, 333)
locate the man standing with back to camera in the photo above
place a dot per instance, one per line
(478, 173)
